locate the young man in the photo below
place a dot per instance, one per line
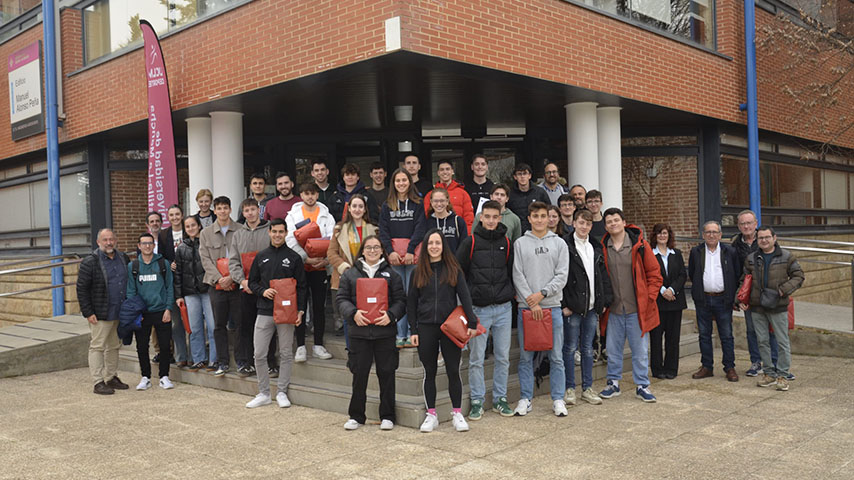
(586, 296)
(480, 189)
(551, 183)
(524, 194)
(101, 285)
(378, 189)
(540, 269)
(320, 174)
(214, 243)
(460, 200)
(350, 185)
(636, 280)
(412, 165)
(593, 202)
(315, 268)
(578, 193)
(567, 209)
(280, 206)
(257, 186)
(500, 193)
(205, 215)
(151, 278)
(487, 261)
(273, 262)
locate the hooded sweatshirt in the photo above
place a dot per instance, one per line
(540, 263)
(339, 199)
(156, 291)
(408, 221)
(509, 220)
(460, 201)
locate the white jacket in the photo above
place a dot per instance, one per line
(295, 216)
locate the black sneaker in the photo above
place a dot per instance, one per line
(221, 370)
(246, 370)
(156, 358)
(101, 388)
(273, 372)
(196, 367)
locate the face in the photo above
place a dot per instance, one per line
(204, 203)
(439, 202)
(257, 185)
(594, 204)
(523, 178)
(614, 224)
(412, 164)
(401, 183)
(434, 246)
(766, 240)
(319, 172)
(712, 235)
(582, 227)
(499, 196)
(490, 218)
(551, 174)
(351, 179)
(191, 226)
(309, 198)
(222, 212)
(578, 195)
(663, 237)
(174, 215)
(277, 235)
(146, 245)
(107, 242)
(445, 172)
(539, 220)
(378, 176)
(554, 217)
(479, 167)
(154, 224)
(284, 186)
(746, 224)
(567, 208)
(372, 251)
(356, 208)
(250, 213)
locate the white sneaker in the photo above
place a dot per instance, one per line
(259, 401)
(577, 357)
(351, 425)
(523, 407)
(440, 362)
(460, 422)
(430, 422)
(559, 408)
(283, 400)
(144, 384)
(590, 397)
(299, 357)
(569, 397)
(319, 351)
(166, 384)
(386, 425)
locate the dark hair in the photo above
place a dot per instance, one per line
(378, 166)
(283, 174)
(444, 161)
(345, 216)
(578, 185)
(565, 197)
(423, 271)
(365, 240)
(548, 162)
(193, 218)
(259, 176)
(491, 204)
(560, 226)
(593, 194)
(521, 168)
(249, 202)
(222, 200)
(278, 221)
(658, 228)
(583, 213)
(149, 214)
(614, 211)
(143, 235)
(479, 155)
(391, 201)
(766, 228)
(309, 187)
(318, 161)
(450, 207)
(175, 205)
(535, 206)
(349, 168)
(499, 186)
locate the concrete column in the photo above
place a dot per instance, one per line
(227, 157)
(581, 145)
(199, 157)
(610, 156)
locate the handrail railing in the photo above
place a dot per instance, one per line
(40, 267)
(39, 259)
(818, 242)
(39, 289)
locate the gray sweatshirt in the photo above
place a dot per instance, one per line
(540, 263)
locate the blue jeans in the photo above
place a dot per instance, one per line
(622, 327)
(753, 342)
(405, 271)
(201, 317)
(557, 376)
(579, 326)
(716, 307)
(496, 318)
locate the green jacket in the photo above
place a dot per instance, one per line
(510, 220)
(157, 293)
(784, 275)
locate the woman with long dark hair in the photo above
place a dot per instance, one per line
(671, 302)
(192, 291)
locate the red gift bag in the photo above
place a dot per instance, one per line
(246, 259)
(317, 247)
(456, 327)
(791, 311)
(185, 317)
(285, 308)
(743, 295)
(302, 234)
(372, 297)
(399, 245)
(222, 268)
(538, 335)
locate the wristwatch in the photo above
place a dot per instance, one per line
(544, 292)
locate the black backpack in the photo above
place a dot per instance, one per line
(134, 267)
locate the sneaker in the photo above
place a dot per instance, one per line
(283, 400)
(559, 407)
(221, 370)
(259, 401)
(611, 390)
(183, 364)
(577, 358)
(116, 384)
(273, 372)
(644, 394)
(300, 356)
(166, 384)
(400, 342)
(430, 422)
(589, 396)
(319, 351)
(569, 397)
(502, 408)
(351, 424)
(211, 367)
(789, 376)
(523, 408)
(460, 423)
(782, 384)
(440, 362)
(476, 412)
(196, 367)
(156, 358)
(144, 384)
(101, 388)
(766, 381)
(245, 371)
(754, 370)
(386, 425)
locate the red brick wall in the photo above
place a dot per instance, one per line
(129, 202)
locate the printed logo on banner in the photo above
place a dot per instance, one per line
(26, 108)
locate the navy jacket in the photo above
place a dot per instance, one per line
(407, 222)
(130, 318)
(729, 266)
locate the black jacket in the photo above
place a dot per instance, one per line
(729, 266)
(189, 273)
(433, 302)
(476, 192)
(339, 199)
(273, 263)
(164, 243)
(519, 201)
(674, 278)
(489, 268)
(743, 249)
(92, 286)
(576, 293)
(346, 301)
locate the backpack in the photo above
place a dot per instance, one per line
(506, 255)
(135, 268)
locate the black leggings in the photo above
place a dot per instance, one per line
(317, 288)
(164, 336)
(430, 337)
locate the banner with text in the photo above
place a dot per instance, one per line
(25, 91)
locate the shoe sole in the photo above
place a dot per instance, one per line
(615, 394)
(503, 414)
(256, 406)
(474, 419)
(142, 389)
(783, 389)
(560, 414)
(167, 388)
(645, 400)
(593, 402)
(385, 429)
(462, 430)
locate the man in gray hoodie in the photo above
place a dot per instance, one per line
(540, 271)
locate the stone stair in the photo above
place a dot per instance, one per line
(32, 306)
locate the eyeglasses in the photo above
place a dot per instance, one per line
(594, 200)
(146, 244)
(709, 232)
(552, 173)
(372, 248)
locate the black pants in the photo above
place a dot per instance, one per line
(244, 354)
(224, 305)
(670, 328)
(363, 353)
(430, 339)
(317, 290)
(164, 336)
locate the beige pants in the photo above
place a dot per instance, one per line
(104, 350)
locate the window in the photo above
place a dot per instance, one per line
(691, 19)
(11, 9)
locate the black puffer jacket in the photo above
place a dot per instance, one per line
(346, 301)
(92, 286)
(576, 293)
(433, 302)
(743, 249)
(489, 266)
(519, 201)
(189, 273)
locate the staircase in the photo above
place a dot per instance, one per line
(27, 307)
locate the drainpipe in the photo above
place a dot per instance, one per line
(56, 276)
(752, 107)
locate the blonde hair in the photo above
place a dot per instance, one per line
(204, 192)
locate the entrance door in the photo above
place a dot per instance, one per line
(501, 157)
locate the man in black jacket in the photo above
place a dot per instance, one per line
(101, 283)
(523, 194)
(487, 261)
(713, 269)
(350, 185)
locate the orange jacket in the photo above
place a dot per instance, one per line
(647, 279)
(460, 202)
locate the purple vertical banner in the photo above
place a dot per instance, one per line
(162, 172)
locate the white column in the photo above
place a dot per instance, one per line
(582, 147)
(199, 157)
(610, 156)
(227, 157)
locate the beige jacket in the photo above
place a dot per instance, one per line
(339, 252)
(212, 246)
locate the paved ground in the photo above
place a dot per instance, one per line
(52, 426)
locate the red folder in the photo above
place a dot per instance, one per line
(538, 335)
(222, 268)
(317, 247)
(400, 245)
(185, 317)
(302, 234)
(246, 259)
(456, 327)
(285, 308)
(372, 297)
(743, 295)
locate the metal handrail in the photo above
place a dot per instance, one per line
(39, 259)
(819, 242)
(39, 289)
(40, 267)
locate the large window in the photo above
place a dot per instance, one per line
(691, 19)
(11, 9)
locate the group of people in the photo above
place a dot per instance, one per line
(545, 253)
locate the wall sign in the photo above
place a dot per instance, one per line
(26, 107)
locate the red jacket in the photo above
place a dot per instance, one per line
(460, 201)
(647, 279)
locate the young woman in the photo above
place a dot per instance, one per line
(371, 343)
(192, 291)
(446, 221)
(205, 215)
(434, 291)
(556, 223)
(168, 241)
(402, 218)
(671, 302)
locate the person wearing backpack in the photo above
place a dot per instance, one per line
(151, 278)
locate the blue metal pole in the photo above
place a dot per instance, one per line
(56, 275)
(752, 107)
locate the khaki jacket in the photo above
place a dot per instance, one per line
(339, 251)
(212, 246)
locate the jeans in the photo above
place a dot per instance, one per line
(622, 327)
(405, 271)
(716, 307)
(496, 318)
(579, 326)
(753, 343)
(780, 322)
(201, 319)
(557, 375)
(179, 335)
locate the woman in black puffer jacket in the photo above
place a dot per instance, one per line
(191, 291)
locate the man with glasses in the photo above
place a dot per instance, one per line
(713, 268)
(551, 183)
(593, 202)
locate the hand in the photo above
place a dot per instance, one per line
(167, 316)
(174, 266)
(394, 259)
(537, 312)
(299, 319)
(245, 284)
(312, 261)
(743, 306)
(413, 339)
(226, 283)
(668, 295)
(384, 320)
(566, 312)
(534, 299)
(269, 294)
(92, 319)
(472, 332)
(360, 318)
(179, 302)
(409, 259)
